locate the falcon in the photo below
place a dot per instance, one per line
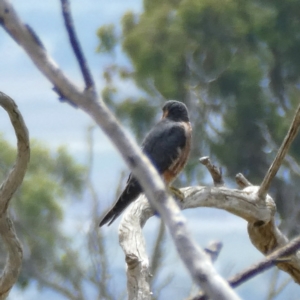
(167, 146)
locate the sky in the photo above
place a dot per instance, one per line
(55, 123)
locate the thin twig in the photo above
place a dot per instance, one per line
(213, 250)
(264, 187)
(277, 256)
(273, 284)
(242, 181)
(282, 286)
(289, 160)
(66, 11)
(274, 291)
(215, 172)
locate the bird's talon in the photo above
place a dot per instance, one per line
(177, 193)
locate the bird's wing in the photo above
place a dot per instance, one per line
(164, 143)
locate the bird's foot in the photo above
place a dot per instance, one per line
(177, 193)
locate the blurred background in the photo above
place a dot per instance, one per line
(236, 65)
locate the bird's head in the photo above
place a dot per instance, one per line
(175, 111)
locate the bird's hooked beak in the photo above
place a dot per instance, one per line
(165, 114)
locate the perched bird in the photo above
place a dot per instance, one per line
(167, 146)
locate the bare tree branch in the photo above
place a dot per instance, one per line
(278, 256)
(133, 244)
(194, 258)
(272, 289)
(263, 232)
(213, 250)
(241, 181)
(215, 172)
(288, 159)
(14, 179)
(264, 187)
(14, 258)
(66, 11)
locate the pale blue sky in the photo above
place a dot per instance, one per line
(57, 123)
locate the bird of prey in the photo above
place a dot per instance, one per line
(167, 146)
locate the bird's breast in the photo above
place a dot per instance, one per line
(183, 153)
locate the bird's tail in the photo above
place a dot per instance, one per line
(130, 193)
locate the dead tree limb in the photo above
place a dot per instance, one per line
(194, 258)
(242, 203)
(281, 255)
(290, 136)
(14, 179)
(215, 172)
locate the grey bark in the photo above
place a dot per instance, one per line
(14, 179)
